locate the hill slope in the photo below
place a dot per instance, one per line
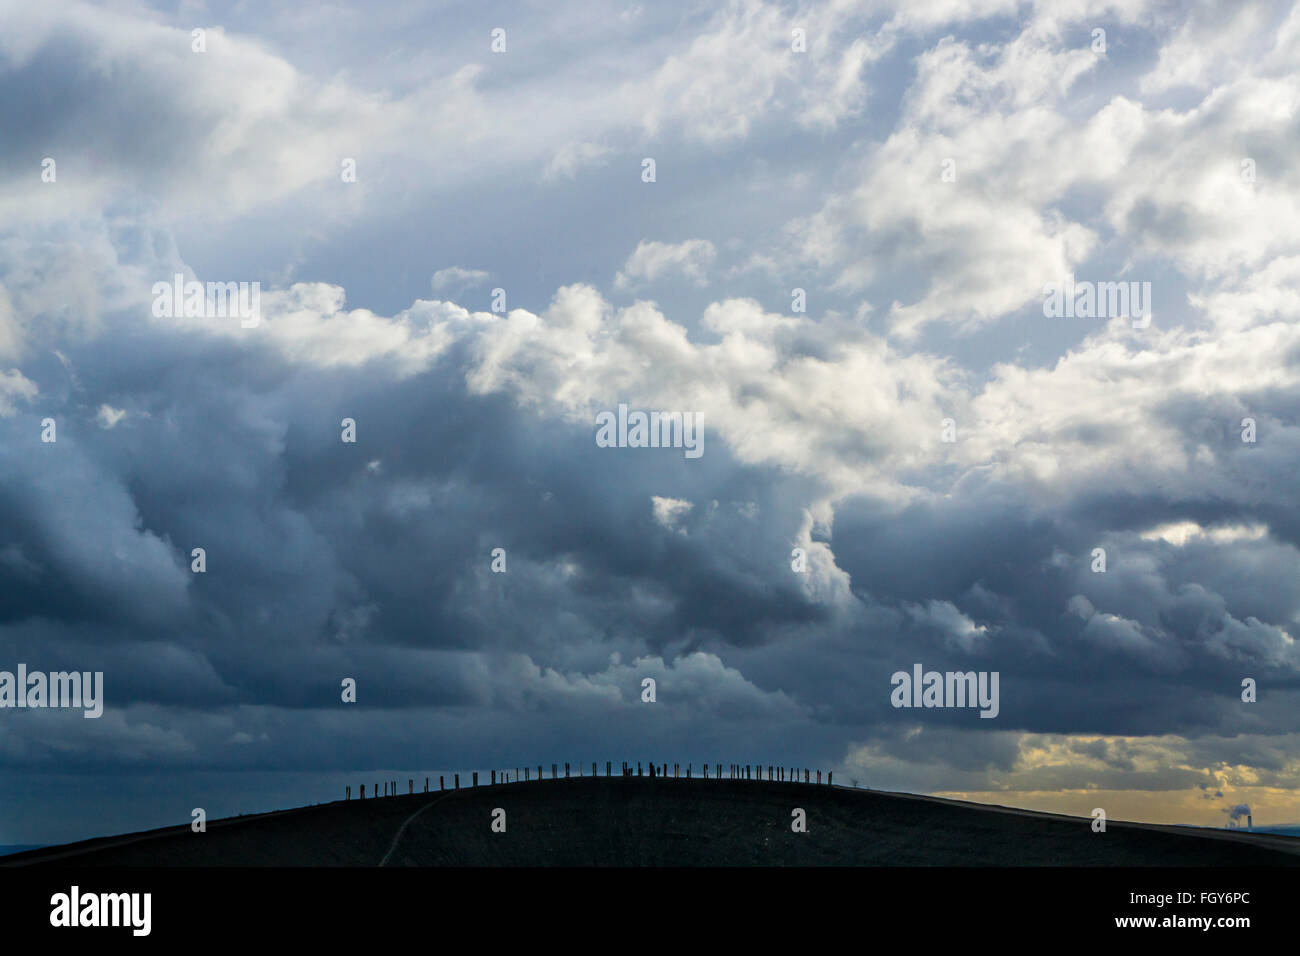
(637, 821)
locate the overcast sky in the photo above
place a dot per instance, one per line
(921, 171)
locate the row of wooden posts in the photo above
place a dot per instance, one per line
(735, 771)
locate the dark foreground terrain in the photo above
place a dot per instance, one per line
(638, 821)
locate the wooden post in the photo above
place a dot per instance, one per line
(494, 777)
(554, 772)
(525, 774)
(349, 796)
(819, 776)
(457, 781)
(609, 766)
(426, 784)
(363, 791)
(593, 768)
(829, 774)
(566, 771)
(476, 778)
(442, 782)
(638, 768)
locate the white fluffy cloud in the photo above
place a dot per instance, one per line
(454, 277)
(653, 260)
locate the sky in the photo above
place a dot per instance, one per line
(825, 230)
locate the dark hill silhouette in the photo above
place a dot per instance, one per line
(639, 821)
